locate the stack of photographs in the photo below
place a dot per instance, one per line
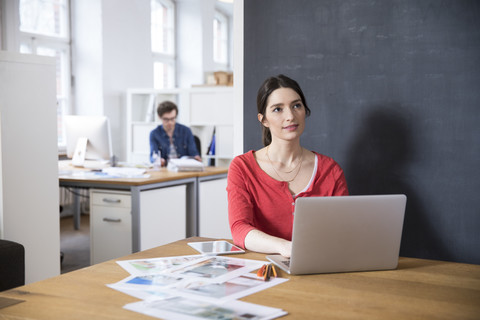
(196, 287)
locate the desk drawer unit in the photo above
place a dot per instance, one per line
(110, 225)
(163, 216)
(213, 211)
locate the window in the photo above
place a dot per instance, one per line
(163, 43)
(220, 38)
(45, 17)
(44, 30)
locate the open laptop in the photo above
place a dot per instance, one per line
(344, 234)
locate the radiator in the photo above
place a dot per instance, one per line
(66, 200)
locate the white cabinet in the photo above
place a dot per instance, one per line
(110, 224)
(29, 161)
(213, 209)
(163, 216)
(203, 109)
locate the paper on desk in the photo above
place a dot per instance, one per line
(141, 165)
(155, 265)
(150, 281)
(153, 287)
(184, 165)
(97, 175)
(123, 172)
(180, 308)
(216, 268)
(209, 268)
(207, 283)
(232, 289)
(143, 294)
(85, 175)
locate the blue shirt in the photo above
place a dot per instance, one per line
(182, 139)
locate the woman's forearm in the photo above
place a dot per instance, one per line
(261, 242)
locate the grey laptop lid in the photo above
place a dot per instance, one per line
(348, 233)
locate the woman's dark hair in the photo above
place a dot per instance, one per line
(165, 107)
(269, 85)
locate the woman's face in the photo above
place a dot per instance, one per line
(284, 114)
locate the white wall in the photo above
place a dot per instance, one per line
(195, 40)
(238, 77)
(8, 37)
(127, 60)
(189, 44)
(87, 59)
(112, 41)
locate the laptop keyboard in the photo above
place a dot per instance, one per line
(286, 263)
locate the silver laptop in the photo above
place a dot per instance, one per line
(344, 234)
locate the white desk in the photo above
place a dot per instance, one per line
(143, 193)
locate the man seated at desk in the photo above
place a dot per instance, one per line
(171, 140)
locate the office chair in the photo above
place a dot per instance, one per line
(12, 265)
(198, 144)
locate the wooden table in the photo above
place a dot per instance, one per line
(418, 289)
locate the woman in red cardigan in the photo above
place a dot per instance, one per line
(263, 184)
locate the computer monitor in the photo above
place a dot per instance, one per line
(88, 138)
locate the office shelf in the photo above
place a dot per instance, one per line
(203, 109)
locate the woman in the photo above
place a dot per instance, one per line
(263, 185)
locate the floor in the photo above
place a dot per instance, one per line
(75, 244)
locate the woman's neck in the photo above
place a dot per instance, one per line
(285, 152)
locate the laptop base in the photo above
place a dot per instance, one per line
(280, 261)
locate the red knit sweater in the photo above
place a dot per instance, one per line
(257, 201)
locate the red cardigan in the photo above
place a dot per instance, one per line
(257, 201)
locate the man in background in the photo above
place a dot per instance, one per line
(171, 140)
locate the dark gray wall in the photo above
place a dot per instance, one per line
(394, 89)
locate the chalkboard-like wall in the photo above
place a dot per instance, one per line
(394, 89)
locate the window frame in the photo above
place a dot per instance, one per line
(223, 41)
(166, 58)
(17, 40)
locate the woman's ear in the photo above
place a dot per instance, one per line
(260, 119)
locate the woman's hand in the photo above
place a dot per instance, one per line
(285, 248)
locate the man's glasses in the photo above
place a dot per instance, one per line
(168, 119)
